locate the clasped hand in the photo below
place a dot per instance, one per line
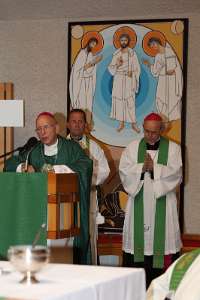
(148, 163)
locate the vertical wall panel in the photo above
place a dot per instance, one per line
(6, 133)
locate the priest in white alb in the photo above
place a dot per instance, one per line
(77, 125)
(150, 171)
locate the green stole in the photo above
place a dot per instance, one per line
(160, 216)
(181, 268)
(87, 142)
(86, 147)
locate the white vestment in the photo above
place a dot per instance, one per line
(101, 171)
(188, 289)
(169, 88)
(124, 87)
(83, 82)
(166, 179)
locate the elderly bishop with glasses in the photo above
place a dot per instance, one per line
(57, 154)
(150, 170)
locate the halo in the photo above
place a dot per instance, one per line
(124, 30)
(152, 34)
(93, 34)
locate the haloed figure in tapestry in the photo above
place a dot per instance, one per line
(167, 69)
(83, 73)
(125, 69)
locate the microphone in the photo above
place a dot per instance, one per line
(29, 145)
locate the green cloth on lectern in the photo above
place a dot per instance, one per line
(23, 208)
(72, 155)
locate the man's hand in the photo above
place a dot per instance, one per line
(170, 72)
(148, 163)
(28, 169)
(93, 63)
(87, 66)
(98, 59)
(119, 62)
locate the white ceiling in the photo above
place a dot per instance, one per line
(76, 9)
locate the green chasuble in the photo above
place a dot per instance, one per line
(159, 228)
(71, 154)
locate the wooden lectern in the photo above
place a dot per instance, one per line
(63, 197)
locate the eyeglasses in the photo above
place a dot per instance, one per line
(45, 128)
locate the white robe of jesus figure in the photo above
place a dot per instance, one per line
(124, 86)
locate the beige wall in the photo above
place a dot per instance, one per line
(192, 187)
(33, 55)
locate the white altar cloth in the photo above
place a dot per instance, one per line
(76, 282)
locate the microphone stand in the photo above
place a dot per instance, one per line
(10, 152)
(23, 149)
(27, 158)
(26, 162)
